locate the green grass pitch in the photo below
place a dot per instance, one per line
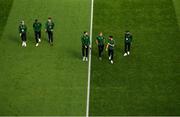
(146, 82)
(45, 80)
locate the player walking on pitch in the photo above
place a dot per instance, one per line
(49, 29)
(22, 33)
(85, 39)
(110, 49)
(37, 31)
(127, 43)
(100, 40)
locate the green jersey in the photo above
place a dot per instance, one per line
(100, 40)
(37, 26)
(111, 44)
(85, 40)
(49, 26)
(22, 28)
(128, 38)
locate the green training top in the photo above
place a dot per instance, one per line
(100, 40)
(85, 40)
(49, 26)
(37, 26)
(128, 38)
(22, 28)
(111, 44)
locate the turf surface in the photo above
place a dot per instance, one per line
(147, 81)
(53, 80)
(4, 12)
(177, 9)
(44, 80)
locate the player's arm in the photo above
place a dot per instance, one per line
(40, 26)
(107, 46)
(88, 43)
(111, 45)
(104, 40)
(82, 40)
(52, 26)
(97, 41)
(46, 26)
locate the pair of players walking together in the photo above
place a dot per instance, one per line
(100, 41)
(37, 26)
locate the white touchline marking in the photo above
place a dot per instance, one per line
(89, 65)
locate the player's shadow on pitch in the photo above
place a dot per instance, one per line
(75, 54)
(16, 40)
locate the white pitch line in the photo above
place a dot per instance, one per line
(89, 65)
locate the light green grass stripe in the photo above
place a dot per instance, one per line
(177, 9)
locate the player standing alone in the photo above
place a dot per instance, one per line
(110, 48)
(127, 41)
(85, 45)
(49, 29)
(22, 33)
(100, 40)
(37, 31)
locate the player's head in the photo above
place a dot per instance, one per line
(100, 34)
(85, 33)
(127, 32)
(110, 37)
(22, 22)
(49, 19)
(36, 20)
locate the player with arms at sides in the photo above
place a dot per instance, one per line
(37, 31)
(85, 40)
(22, 33)
(110, 49)
(49, 29)
(100, 40)
(127, 43)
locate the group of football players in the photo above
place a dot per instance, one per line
(100, 41)
(85, 39)
(37, 27)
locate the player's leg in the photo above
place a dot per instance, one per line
(99, 50)
(39, 36)
(125, 49)
(102, 49)
(49, 36)
(22, 40)
(25, 39)
(52, 39)
(36, 37)
(112, 56)
(128, 48)
(87, 53)
(83, 53)
(109, 54)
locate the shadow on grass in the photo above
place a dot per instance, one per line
(75, 54)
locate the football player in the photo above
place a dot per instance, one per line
(22, 33)
(85, 39)
(110, 49)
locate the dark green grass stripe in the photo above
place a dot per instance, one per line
(147, 82)
(5, 7)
